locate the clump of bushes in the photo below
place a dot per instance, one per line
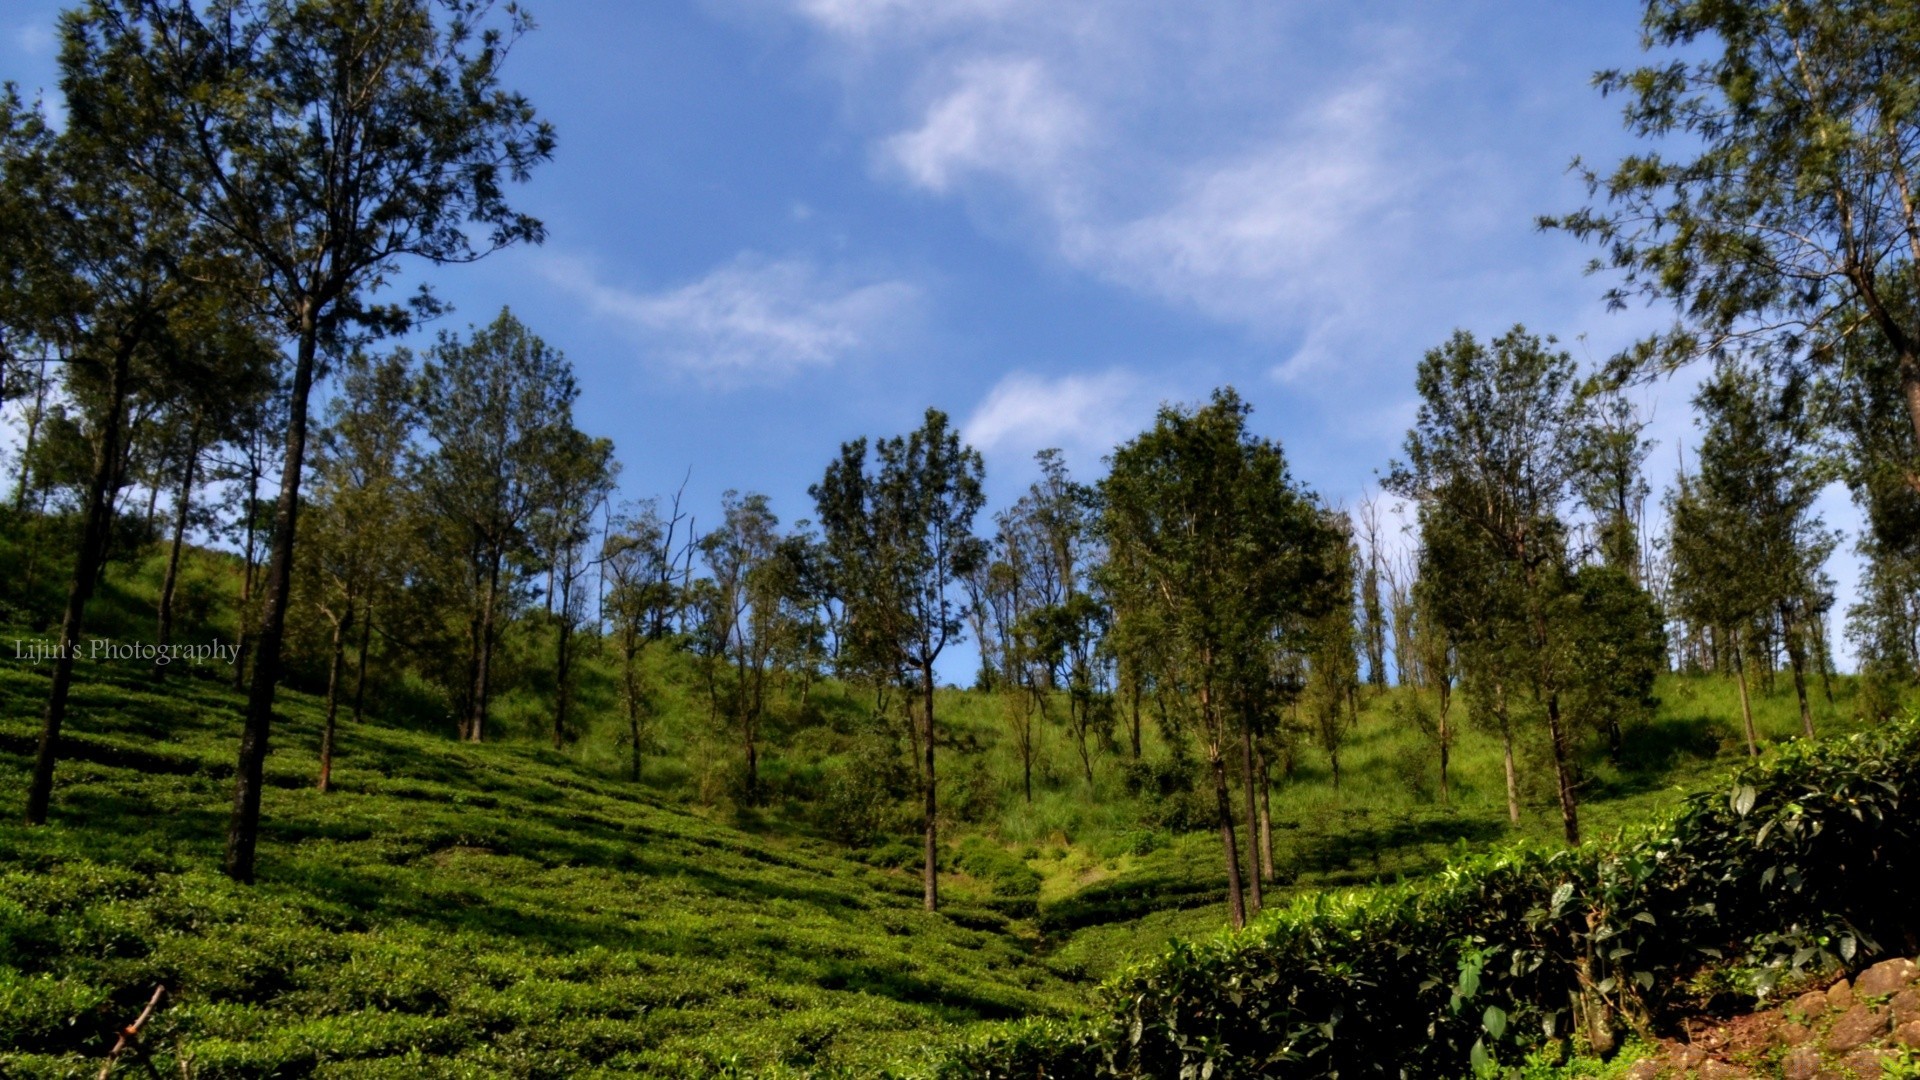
(1804, 861)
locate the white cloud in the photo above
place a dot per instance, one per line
(1086, 415)
(1005, 118)
(863, 18)
(34, 40)
(752, 318)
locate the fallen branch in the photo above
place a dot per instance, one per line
(130, 1038)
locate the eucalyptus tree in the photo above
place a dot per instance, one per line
(326, 141)
(101, 268)
(494, 405)
(361, 502)
(899, 541)
(638, 558)
(1784, 221)
(1332, 649)
(1219, 546)
(741, 620)
(1747, 545)
(1486, 463)
(221, 367)
(1611, 480)
(579, 478)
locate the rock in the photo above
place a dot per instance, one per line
(1791, 1035)
(1688, 1058)
(1810, 1005)
(1886, 978)
(1644, 1069)
(1906, 1007)
(1866, 1064)
(1801, 1063)
(1857, 1027)
(1720, 1070)
(1908, 1034)
(1840, 996)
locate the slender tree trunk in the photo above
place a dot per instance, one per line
(1133, 728)
(336, 655)
(1563, 770)
(1797, 658)
(1822, 657)
(1236, 903)
(1252, 776)
(360, 660)
(563, 671)
(1266, 812)
(243, 640)
(243, 831)
(483, 667)
(92, 546)
(33, 431)
(1910, 390)
(1506, 753)
(1446, 745)
(630, 685)
(932, 804)
(172, 577)
(1746, 706)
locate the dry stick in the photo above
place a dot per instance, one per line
(129, 1037)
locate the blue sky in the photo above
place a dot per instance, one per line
(775, 225)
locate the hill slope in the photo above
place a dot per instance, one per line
(447, 910)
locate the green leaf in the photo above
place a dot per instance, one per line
(1742, 800)
(1494, 1020)
(1482, 1064)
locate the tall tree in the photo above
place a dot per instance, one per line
(361, 500)
(326, 141)
(1747, 545)
(1788, 216)
(579, 477)
(1221, 545)
(495, 405)
(1486, 462)
(900, 540)
(101, 268)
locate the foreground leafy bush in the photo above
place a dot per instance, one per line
(1806, 860)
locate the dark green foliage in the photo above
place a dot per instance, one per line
(1803, 862)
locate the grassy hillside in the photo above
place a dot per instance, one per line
(509, 910)
(449, 910)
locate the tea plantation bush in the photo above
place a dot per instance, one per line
(1807, 860)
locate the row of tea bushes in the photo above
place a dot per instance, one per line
(1807, 860)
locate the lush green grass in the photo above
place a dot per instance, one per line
(448, 910)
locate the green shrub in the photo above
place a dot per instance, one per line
(1804, 861)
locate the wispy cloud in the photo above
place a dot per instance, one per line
(1085, 415)
(34, 40)
(751, 319)
(1003, 118)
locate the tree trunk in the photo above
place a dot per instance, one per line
(1266, 813)
(1563, 770)
(1236, 904)
(26, 448)
(1797, 658)
(1253, 812)
(562, 670)
(1134, 721)
(1446, 745)
(360, 661)
(241, 641)
(244, 830)
(483, 659)
(336, 655)
(1506, 753)
(181, 505)
(1746, 706)
(92, 545)
(932, 804)
(1910, 390)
